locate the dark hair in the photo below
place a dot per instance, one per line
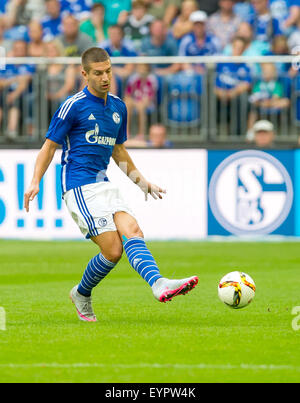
(117, 26)
(240, 38)
(139, 3)
(93, 55)
(97, 5)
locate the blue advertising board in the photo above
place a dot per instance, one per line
(251, 192)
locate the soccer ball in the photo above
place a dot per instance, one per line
(236, 289)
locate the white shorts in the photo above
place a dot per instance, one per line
(93, 207)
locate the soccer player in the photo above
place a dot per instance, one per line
(91, 127)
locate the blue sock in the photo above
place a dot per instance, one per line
(141, 259)
(96, 270)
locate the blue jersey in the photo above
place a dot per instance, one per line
(16, 70)
(51, 27)
(88, 131)
(190, 47)
(265, 27)
(3, 6)
(80, 8)
(230, 75)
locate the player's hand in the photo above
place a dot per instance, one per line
(30, 194)
(149, 188)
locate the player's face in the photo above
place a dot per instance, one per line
(99, 77)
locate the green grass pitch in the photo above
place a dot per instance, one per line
(194, 338)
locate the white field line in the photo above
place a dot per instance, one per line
(254, 367)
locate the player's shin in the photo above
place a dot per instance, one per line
(96, 270)
(141, 259)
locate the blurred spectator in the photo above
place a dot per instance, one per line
(61, 78)
(199, 42)
(244, 10)
(37, 8)
(264, 25)
(294, 39)
(233, 82)
(182, 24)
(224, 23)
(268, 95)
(287, 12)
(253, 47)
(269, 92)
(159, 44)
(79, 8)
(280, 48)
(116, 11)
(117, 46)
(7, 78)
(52, 21)
(18, 13)
(94, 26)
(140, 96)
(233, 79)
(16, 80)
(74, 41)
(157, 138)
(4, 43)
(262, 134)
(36, 46)
(137, 25)
(165, 10)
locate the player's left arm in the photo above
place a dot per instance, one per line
(125, 163)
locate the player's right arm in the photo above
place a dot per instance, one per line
(42, 163)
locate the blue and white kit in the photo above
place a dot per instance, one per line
(88, 130)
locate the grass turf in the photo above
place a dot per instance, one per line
(194, 338)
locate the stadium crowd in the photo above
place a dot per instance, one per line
(53, 28)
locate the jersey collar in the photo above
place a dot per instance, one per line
(94, 98)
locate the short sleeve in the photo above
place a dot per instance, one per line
(122, 136)
(61, 122)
